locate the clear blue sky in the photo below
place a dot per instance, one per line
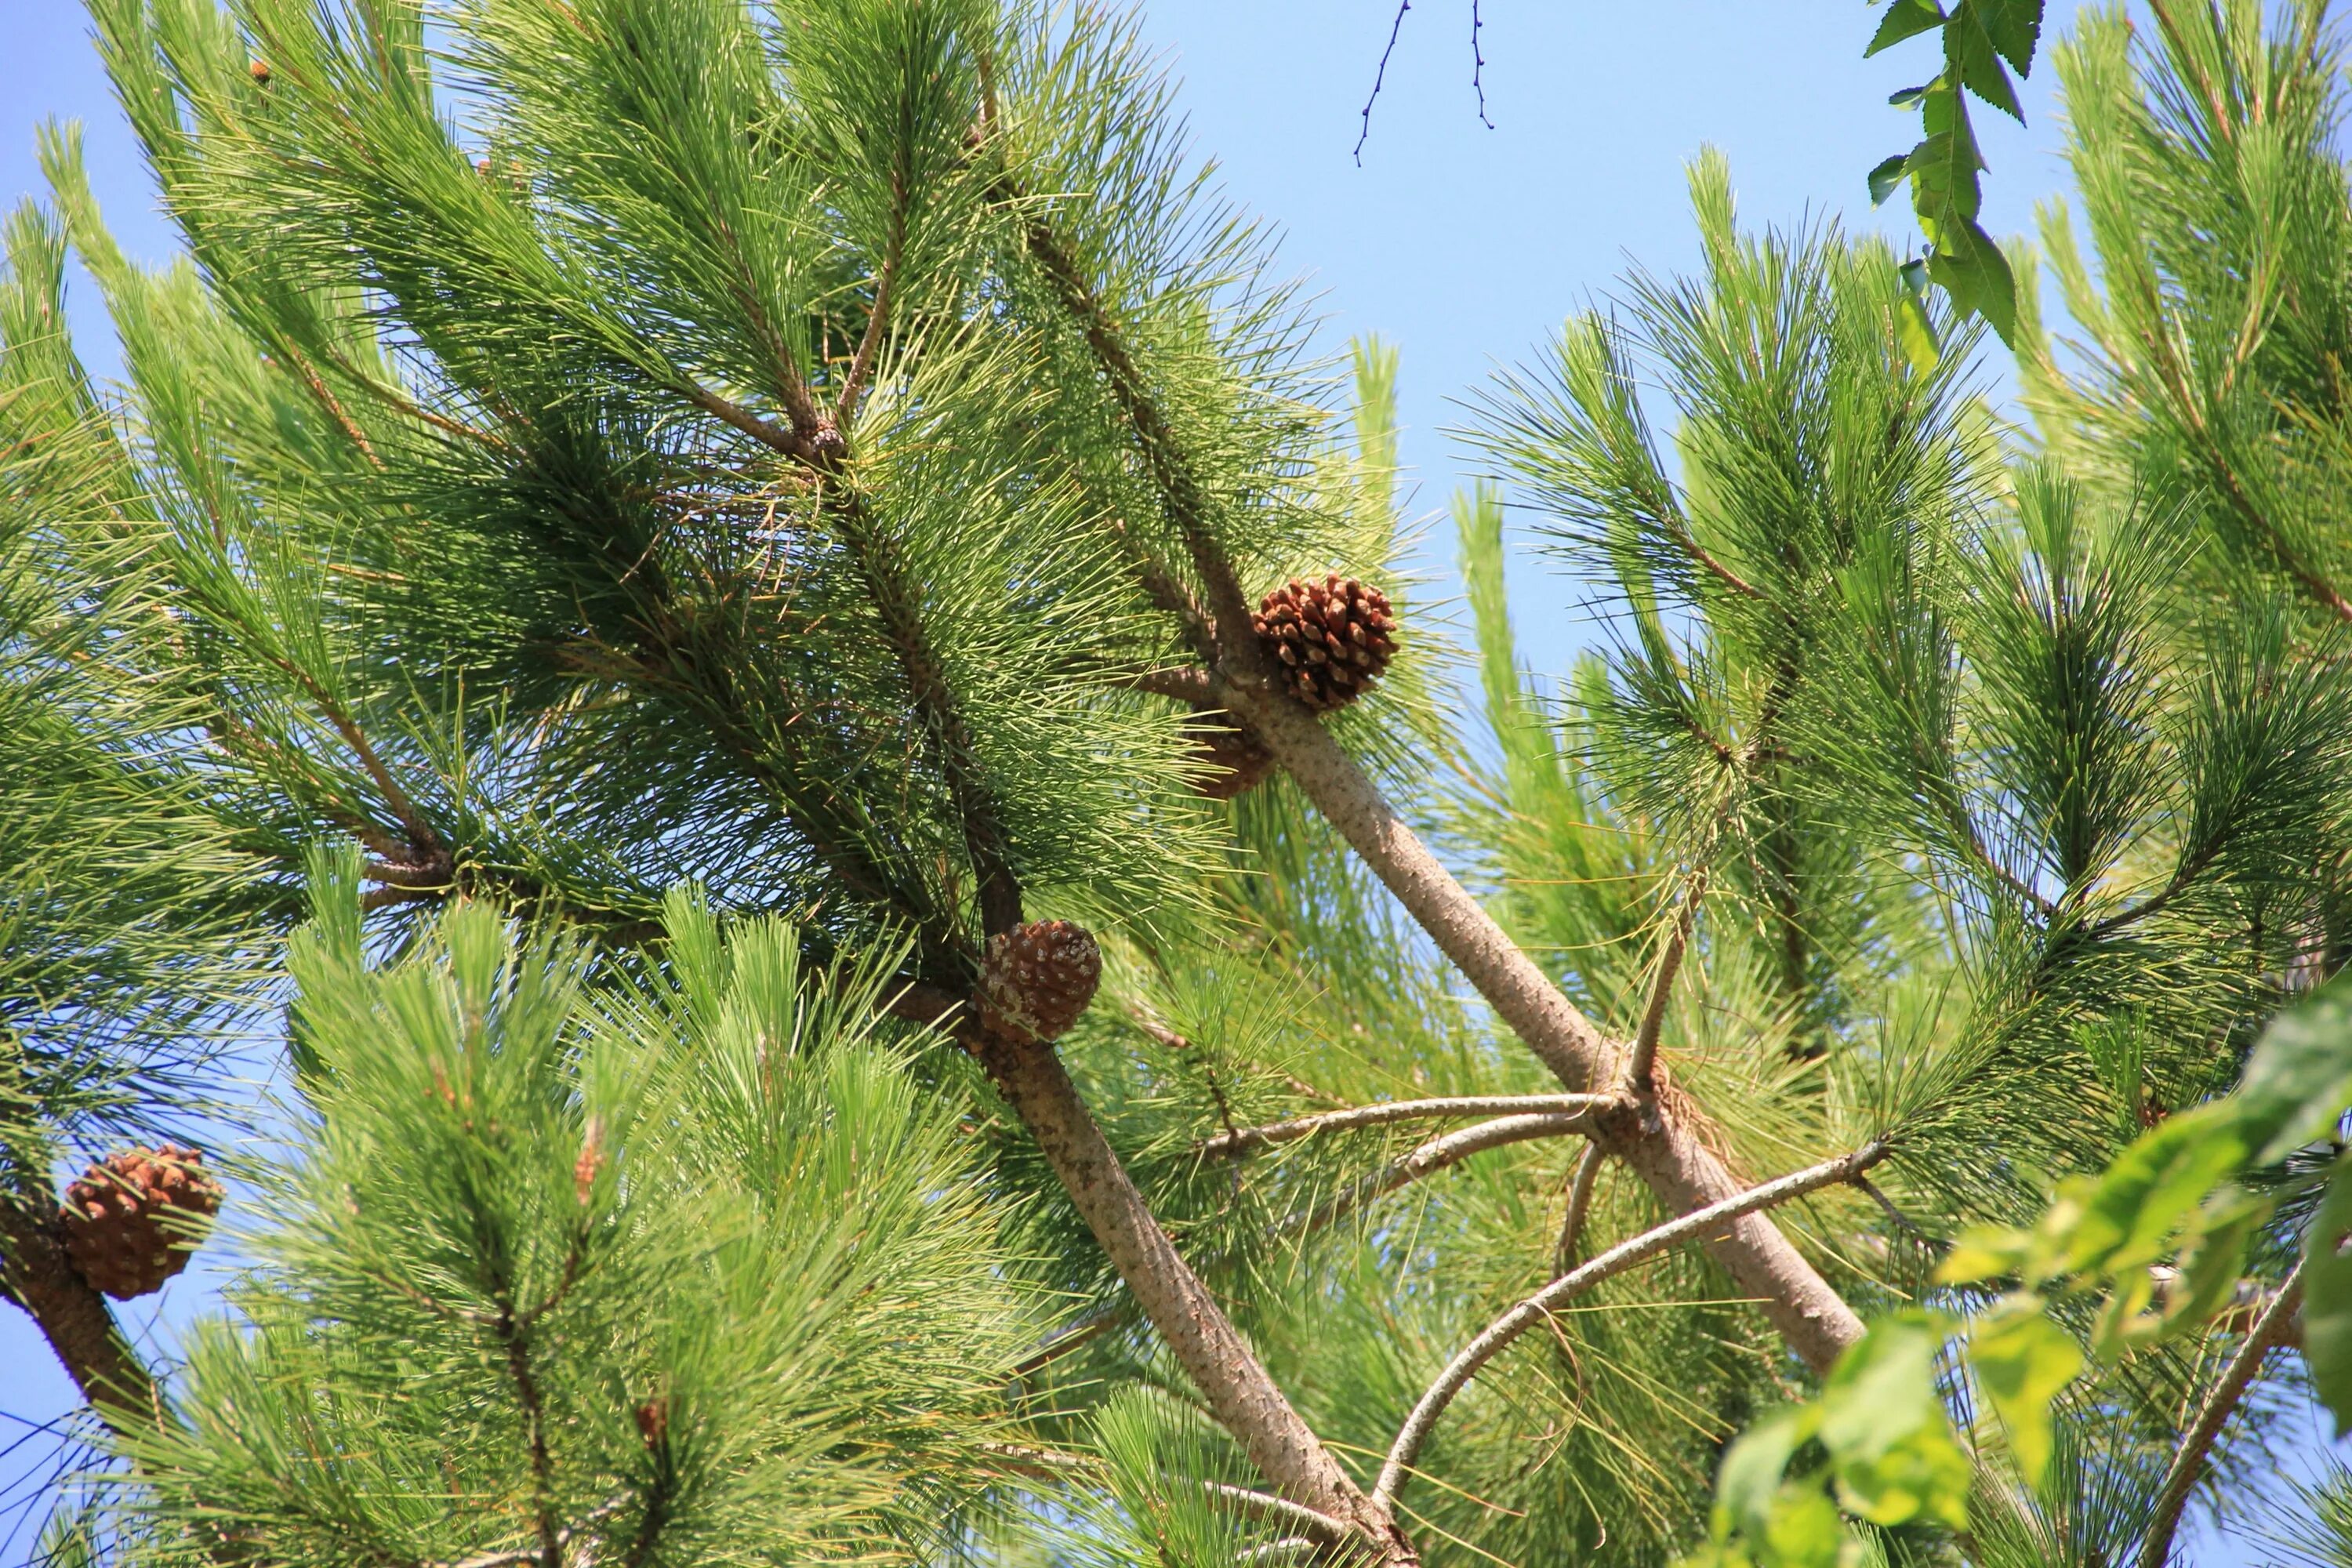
(1462, 245)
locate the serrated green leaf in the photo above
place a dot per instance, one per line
(2024, 1360)
(2014, 26)
(1905, 20)
(1971, 57)
(2328, 1300)
(1890, 1442)
(1917, 334)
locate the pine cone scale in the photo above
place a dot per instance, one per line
(129, 1221)
(1331, 638)
(1038, 979)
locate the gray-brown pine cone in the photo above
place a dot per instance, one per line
(1231, 761)
(1330, 639)
(130, 1220)
(1038, 979)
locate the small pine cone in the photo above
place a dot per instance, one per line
(1232, 763)
(130, 1220)
(1331, 640)
(1038, 978)
(259, 71)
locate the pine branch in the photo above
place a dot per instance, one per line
(74, 1319)
(2188, 1466)
(1437, 1154)
(1579, 1206)
(1239, 1392)
(1247, 1140)
(1809, 1313)
(1499, 1335)
(1640, 1063)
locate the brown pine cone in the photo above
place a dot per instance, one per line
(1231, 761)
(259, 71)
(1038, 978)
(1331, 640)
(132, 1219)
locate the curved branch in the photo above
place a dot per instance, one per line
(1436, 1155)
(2189, 1462)
(1246, 1140)
(1616, 1261)
(1579, 1204)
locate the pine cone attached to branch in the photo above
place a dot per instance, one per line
(1231, 761)
(1331, 638)
(130, 1220)
(1038, 978)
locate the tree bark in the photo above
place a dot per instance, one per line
(1240, 1395)
(1682, 1172)
(74, 1319)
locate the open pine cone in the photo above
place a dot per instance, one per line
(130, 1220)
(1230, 760)
(1331, 638)
(1038, 979)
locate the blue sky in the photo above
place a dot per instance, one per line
(1462, 245)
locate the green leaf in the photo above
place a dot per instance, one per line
(1971, 57)
(1804, 1530)
(2022, 1361)
(1917, 334)
(1748, 1485)
(2328, 1300)
(1887, 175)
(2153, 1188)
(2014, 26)
(1884, 1423)
(1905, 20)
(1981, 1254)
(2300, 1078)
(1904, 98)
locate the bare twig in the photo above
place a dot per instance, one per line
(1248, 1138)
(1381, 76)
(1579, 1204)
(877, 320)
(1438, 1154)
(1479, 66)
(2197, 1444)
(1616, 1261)
(1052, 1464)
(1641, 1064)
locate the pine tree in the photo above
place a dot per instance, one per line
(758, 620)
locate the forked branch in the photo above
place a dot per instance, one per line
(1465, 1365)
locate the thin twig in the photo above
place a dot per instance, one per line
(1052, 1464)
(1641, 1066)
(1616, 1261)
(877, 320)
(1477, 68)
(2197, 1443)
(1579, 1204)
(1244, 1140)
(1381, 76)
(1438, 1154)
